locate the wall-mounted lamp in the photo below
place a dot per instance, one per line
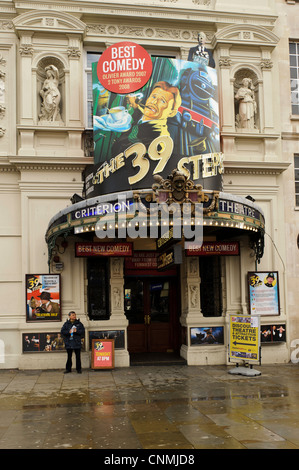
(63, 245)
(76, 198)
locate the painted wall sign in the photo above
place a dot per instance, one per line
(263, 293)
(43, 297)
(102, 354)
(124, 67)
(214, 248)
(171, 121)
(244, 338)
(103, 249)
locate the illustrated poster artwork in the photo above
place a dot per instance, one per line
(43, 297)
(171, 122)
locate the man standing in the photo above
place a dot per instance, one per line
(72, 331)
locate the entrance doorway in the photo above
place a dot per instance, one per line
(151, 306)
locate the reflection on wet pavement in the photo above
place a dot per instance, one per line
(154, 407)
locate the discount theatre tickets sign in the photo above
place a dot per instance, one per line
(244, 338)
(152, 115)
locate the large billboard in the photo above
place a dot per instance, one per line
(171, 122)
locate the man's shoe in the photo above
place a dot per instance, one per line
(67, 371)
(79, 371)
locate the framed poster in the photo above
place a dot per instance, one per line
(204, 336)
(263, 293)
(273, 333)
(43, 297)
(45, 342)
(102, 354)
(117, 335)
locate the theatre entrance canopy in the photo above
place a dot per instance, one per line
(175, 205)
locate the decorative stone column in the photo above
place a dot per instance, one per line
(74, 54)
(227, 110)
(118, 320)
(26, 98)
(266, 66)
(191, 311)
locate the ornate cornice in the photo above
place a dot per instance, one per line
(73, 164)
(254, 168)
(142, 32)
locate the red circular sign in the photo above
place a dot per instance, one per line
(124, 67)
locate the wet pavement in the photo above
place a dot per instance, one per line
(150, 407)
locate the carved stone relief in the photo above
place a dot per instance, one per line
(194, 296)
(134, 31)
(116, 267)
(193, 269)
(117, 298)
(2, 88)
(2, 93)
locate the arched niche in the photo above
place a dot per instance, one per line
(246, 100)
(41, 84)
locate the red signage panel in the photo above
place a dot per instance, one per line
(102, 354)
(142, 260)
(84, 249)
(214, 248)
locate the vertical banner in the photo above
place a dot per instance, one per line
(102, 354)
(43, 297)
(244, 338)
(152, 115)
(263, 293)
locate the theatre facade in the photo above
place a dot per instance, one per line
(142, 180)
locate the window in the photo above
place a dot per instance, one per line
(97, 291)
(296, 165)
(294, 72)
(91, 57)
(210, 286)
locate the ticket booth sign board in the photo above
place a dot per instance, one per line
(244, 338)
(102, 354)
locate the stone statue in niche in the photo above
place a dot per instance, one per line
(200, 54)
(247, 105)
(51, 96)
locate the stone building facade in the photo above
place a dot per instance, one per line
(43, 155)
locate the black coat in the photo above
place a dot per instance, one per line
(74, 343)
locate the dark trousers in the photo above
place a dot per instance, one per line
(69, 359)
